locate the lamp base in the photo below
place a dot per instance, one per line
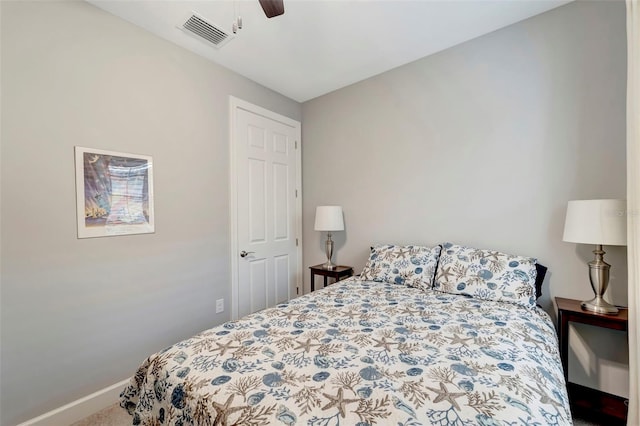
(599, 277)
(599, 306)
(328, 246)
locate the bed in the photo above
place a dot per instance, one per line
(362, 352)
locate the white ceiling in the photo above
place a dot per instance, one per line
(319, 46)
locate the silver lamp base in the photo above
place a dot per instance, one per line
(328, 247)
(599, 277)
(328, 266)
(599, 305)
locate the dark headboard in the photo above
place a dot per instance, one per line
(541, 272)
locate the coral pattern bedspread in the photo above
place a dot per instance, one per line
(361, 353)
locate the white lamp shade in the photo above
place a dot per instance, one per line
(596, 222)
(329, 218)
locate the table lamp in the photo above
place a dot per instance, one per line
(599, 222)
(329, 218)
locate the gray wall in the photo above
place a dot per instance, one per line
(80, 315)
(483, 144)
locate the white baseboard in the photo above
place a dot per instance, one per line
(80, 408)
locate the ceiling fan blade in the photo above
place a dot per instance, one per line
(272, 7)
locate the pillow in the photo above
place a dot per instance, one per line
(487, 274)
(410, 265)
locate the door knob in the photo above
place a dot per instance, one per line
(246, 253)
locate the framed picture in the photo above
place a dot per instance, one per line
(114, 193)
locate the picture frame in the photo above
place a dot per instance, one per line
(114, 193)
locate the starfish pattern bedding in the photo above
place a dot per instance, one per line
(361, 353)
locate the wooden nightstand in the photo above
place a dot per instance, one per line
(337, 273)
(607, 407)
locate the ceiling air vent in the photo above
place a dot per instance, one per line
(196, 25)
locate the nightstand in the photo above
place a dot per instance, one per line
(337, 273)
(607, 407)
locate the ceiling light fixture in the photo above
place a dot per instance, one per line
(237, 23)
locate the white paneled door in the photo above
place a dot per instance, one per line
(266, 245)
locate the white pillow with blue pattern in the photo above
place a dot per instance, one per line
(413, 266)
(486, 274)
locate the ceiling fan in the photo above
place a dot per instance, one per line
(272, 7)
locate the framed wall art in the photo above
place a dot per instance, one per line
(114, 193)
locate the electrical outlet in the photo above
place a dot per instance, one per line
(219, 306)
